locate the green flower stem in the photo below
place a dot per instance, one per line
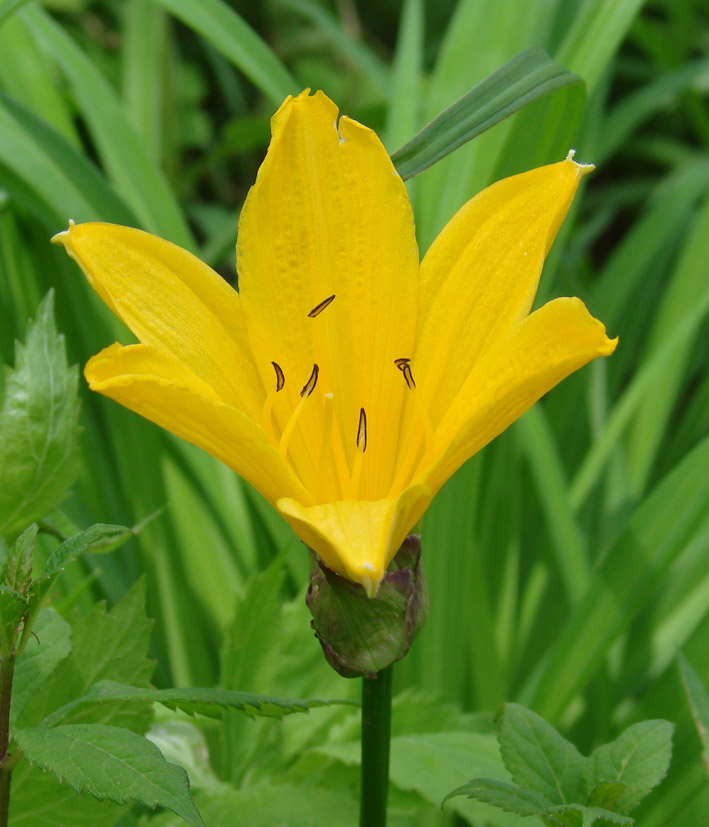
(7, 671)
(376, 735)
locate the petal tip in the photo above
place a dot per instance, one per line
(61, 237)
(582, 169)
(609, 346)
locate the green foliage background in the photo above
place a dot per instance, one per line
(568, 561)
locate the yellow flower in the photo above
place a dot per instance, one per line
(345, 381)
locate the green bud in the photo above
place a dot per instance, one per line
(359, 635)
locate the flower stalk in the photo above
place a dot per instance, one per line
(7, 672)
(376, 735)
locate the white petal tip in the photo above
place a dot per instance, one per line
(583, 169)
(59, 237)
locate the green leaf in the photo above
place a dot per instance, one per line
(105, 646)
(354, 49)
(18, 569)
(9, 7)
(194, 701)
(63, 177)
(427, 764)
(576, 815)
(98, 539)
(597, 32)
(624, 581)
(38, 798)
(110, 762)
(39, 658)
(273, 805)
(528, 76)
(238, 42)
(140, 182)
(538, 758)
(4, 554)
(699, 703)
(12, 606)
(38, 426)
(639, 758)
(502, 794)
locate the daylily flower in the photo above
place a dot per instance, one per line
(345, 381)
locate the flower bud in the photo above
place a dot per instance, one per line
(359, 635)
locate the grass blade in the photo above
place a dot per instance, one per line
(238, 42)
(528, 76)
(137, 178)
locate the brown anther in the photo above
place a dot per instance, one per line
(318, 309)
(362, 430)
(309, 386)
(405, 368)
(280, 376)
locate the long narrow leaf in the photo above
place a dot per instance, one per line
(238, 42)
(526, 77)
(136, 177)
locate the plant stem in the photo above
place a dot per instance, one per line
(376, 735)
(7, 671)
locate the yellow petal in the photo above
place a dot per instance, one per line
(158, 387)
(328, 215)
(172, 301)
(512, 375)
(358, 539)
(480, 275)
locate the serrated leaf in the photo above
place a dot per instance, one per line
(105, 646)
(39, 659)
(38, 798)
(527, 77)
(699, 704)
(576, 815)
(211, 703)
(38, 426)
(110, 762)
(20, 560)
(639, 758)
(607, 794)
(502, 794)
(428, 764)
(539, 758)
(98, 539)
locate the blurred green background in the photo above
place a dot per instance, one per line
(568, 561)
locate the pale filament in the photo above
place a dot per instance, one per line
(308, 388)
(267, 412)
(359, 455)
(332, 463)
(422, 438)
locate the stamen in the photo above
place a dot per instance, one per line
(362, 430)
(308, 388)
(359, 456)
(405, 368)
(266, 422)
(318, 309)
(409, 462)
(280, 378)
